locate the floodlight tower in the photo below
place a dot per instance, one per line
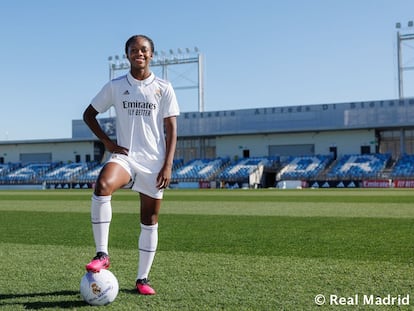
(164, 60)
(115, 63)
(408, 34)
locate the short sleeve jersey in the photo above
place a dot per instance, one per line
(140, 106)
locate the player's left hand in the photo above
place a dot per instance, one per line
(163, 179)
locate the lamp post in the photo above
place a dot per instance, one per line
(401, 68)
(401, 37)
(165, 60)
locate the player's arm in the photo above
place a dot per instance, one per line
(89, 116)
(164, 176)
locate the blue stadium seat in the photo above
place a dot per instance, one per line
(66, 173)
(304, 167)
(404, 166)
(359, 166)
(26, 174)
(199, 169)
(241, 170)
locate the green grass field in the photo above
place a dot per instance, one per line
(218, 249)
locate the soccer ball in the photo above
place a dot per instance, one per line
(99, 289)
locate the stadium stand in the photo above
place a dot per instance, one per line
(5, 169)
(177, 163)
(29, 173)
(67, 173)
(240, 170)
(199, 169)
(223, 170)
(359, 166)
(90, 175)
(304, 167)
(404, 167)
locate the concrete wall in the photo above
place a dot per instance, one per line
(346, 142)
(64, 151)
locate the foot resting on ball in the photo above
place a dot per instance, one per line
(100, 261)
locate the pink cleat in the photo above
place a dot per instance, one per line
(144, 288)
(100, 261)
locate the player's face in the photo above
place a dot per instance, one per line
(140, 54)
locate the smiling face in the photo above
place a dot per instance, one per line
(139, 52)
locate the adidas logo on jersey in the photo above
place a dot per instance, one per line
(126, 92)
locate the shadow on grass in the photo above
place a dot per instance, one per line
(74, 302)
(132, 291)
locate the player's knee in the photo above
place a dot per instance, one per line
(103, 187)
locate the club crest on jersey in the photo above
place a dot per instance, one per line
(157, 92)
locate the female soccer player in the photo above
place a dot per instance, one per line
(142, 157)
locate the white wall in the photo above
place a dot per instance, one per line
(61, 151)
(347, 142)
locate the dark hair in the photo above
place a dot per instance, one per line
(135, 37)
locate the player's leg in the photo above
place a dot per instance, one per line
(112, 177)
(148, 241)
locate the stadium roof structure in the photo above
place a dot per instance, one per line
(380, 114)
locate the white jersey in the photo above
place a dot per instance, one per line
(140, 107)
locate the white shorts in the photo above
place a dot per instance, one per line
(142, 181)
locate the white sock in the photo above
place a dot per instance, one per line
(147, 245)
(101, 215)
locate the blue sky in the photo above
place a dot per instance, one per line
(265, 53)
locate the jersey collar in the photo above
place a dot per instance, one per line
(145, 82)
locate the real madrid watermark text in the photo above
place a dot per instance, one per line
(363, 299)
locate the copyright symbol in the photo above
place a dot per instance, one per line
(320, 299)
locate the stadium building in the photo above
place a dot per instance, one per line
(352, 144)
(315, 145)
